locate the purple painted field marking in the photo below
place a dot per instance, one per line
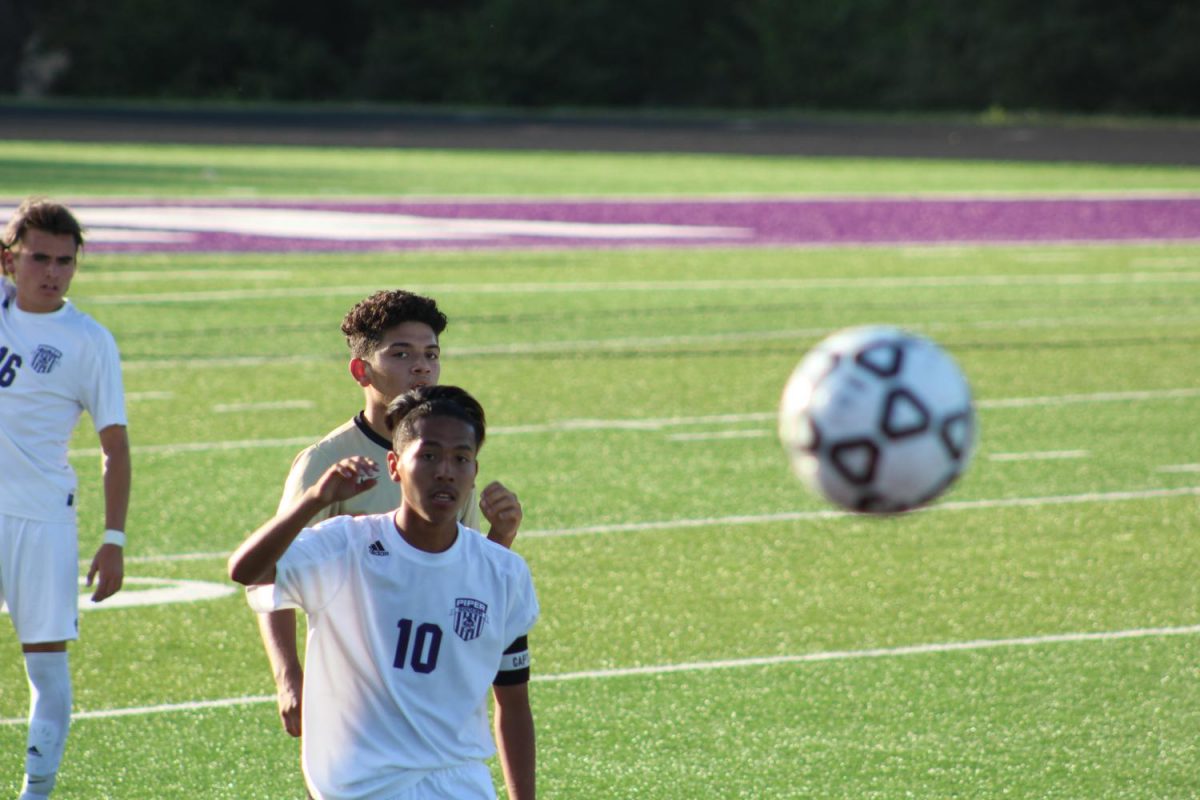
(280, 226)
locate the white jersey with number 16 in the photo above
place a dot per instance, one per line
(53, 367)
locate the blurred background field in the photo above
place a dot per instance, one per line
(783, 652)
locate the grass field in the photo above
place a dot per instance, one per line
(707, 631)
(69, 169)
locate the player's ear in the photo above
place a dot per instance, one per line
(359, 370)
(393, 465)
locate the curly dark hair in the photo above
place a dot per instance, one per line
(38, 213)
(365, 324)
(433, 401)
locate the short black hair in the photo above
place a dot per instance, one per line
(365, 324)
(38, 213)
(433, 401)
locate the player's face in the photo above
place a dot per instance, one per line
(437, 468)
(408, 357)
(42, 265)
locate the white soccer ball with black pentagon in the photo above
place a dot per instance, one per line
(877, 420)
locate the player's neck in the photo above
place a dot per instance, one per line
(33, 307)
(376, 418)
(423, 534)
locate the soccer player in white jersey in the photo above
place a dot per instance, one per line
(393, 338)
(55, 363)
(412, 618)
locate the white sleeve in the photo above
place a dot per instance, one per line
(104, 394)
(522, 613)
(523, 608)
(310, 573)
(265, 597)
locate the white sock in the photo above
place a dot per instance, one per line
(37, 791)
(49, 719)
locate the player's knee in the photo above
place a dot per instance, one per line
(46, 737)
(49, 678)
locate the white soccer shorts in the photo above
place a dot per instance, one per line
(471, 781)
(465, 782)
(39, 578)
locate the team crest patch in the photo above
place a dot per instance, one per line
(469, 618)
(45, 358)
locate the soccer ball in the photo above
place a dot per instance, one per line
(877, 420)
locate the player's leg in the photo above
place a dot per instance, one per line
(49, 716)
(41, 587)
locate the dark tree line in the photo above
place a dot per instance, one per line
(1056, 55)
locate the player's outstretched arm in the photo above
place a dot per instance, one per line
(117, 473)
(515, 740)
(254, 561)
(278, 630)
(503, 511)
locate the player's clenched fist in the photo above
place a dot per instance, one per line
(503, 511)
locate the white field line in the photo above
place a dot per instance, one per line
(171, 558)
(617, 344)
(1169, 262)
(270, 405)
(576, 287)
(704, 666)
(564, 426)
(827, 514)
(204, 447)
(1179, 468)
(94, 275)
(710, 436)
(783, 516)
(930, 252)
(881, 652)
(165, 708)
(224, 362)
(362, 226)
(636, 343)
(1095, 397)
(1048, 257)
(660, 423)
(1040, 455)
(652, 424)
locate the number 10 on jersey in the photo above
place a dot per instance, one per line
(425, 645)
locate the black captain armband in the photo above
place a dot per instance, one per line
(514, 665)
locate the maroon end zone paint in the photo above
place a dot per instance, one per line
(764, 222)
